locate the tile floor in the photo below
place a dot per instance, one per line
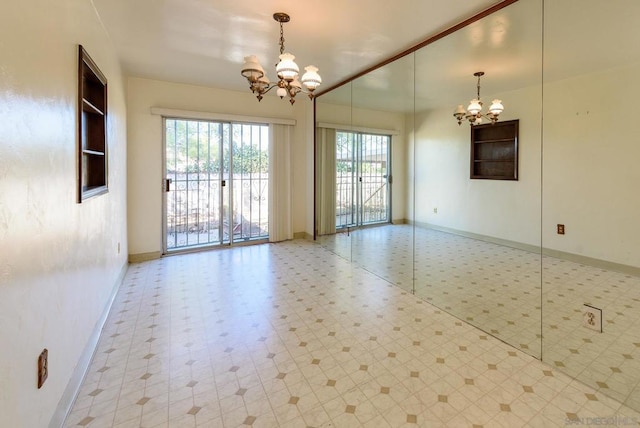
(532, 302)
(292, 335)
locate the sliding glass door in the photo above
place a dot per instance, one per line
(216, 183)
(362, 179)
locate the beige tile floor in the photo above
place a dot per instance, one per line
(532, 302)
(292, 335)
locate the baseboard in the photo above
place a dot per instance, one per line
(75, 382)
(399, 221)
(302, 235)
(590, 261)
(561, 255)
(486, 238)
(144, 257)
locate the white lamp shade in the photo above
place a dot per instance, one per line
(287, 69)
(281, 92)
(311, 79)
(251, 69)
(474, 106)
(460, 111)
(496, 107)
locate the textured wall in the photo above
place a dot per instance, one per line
(59, 260)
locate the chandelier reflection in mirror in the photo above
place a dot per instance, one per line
(286, 70)
(474, 111)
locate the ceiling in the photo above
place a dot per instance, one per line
(203, 42)
(516, 48)
(505, 45)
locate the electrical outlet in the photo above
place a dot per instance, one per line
(561, 229)
(43, 367)
(118, 248)
(435, 210)
(592, 318)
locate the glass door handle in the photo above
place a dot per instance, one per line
(223, 183)
(167, 184)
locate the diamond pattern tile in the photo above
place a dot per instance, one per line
(290, 334)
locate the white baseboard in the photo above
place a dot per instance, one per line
(550, 252)
(73, 387)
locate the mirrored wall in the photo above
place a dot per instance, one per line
(527, 229)
(335, 174)
(383, 241)
(478, 249)
(589, 182)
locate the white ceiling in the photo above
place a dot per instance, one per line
(506, 46)
(580, 37)
(203, 42)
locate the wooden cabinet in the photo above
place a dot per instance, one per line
(494, 151)
(92, 121)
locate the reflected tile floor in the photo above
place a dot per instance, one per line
(511, 293)
(293, 335)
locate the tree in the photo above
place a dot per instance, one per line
(194, 147)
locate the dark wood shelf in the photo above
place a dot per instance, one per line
(92, 136)
(494, 151)
(501, 140)
(90, 108)
(92, 152)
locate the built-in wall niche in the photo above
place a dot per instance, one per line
(92, 120)
(494, 151)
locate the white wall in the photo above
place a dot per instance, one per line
(591, 173)
(358, 117)
(498, 208)
(146, 146)
(59, 263)
(587, 179)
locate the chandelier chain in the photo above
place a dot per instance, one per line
(281, 39)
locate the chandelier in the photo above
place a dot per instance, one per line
(474, 111)
(286, 70)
